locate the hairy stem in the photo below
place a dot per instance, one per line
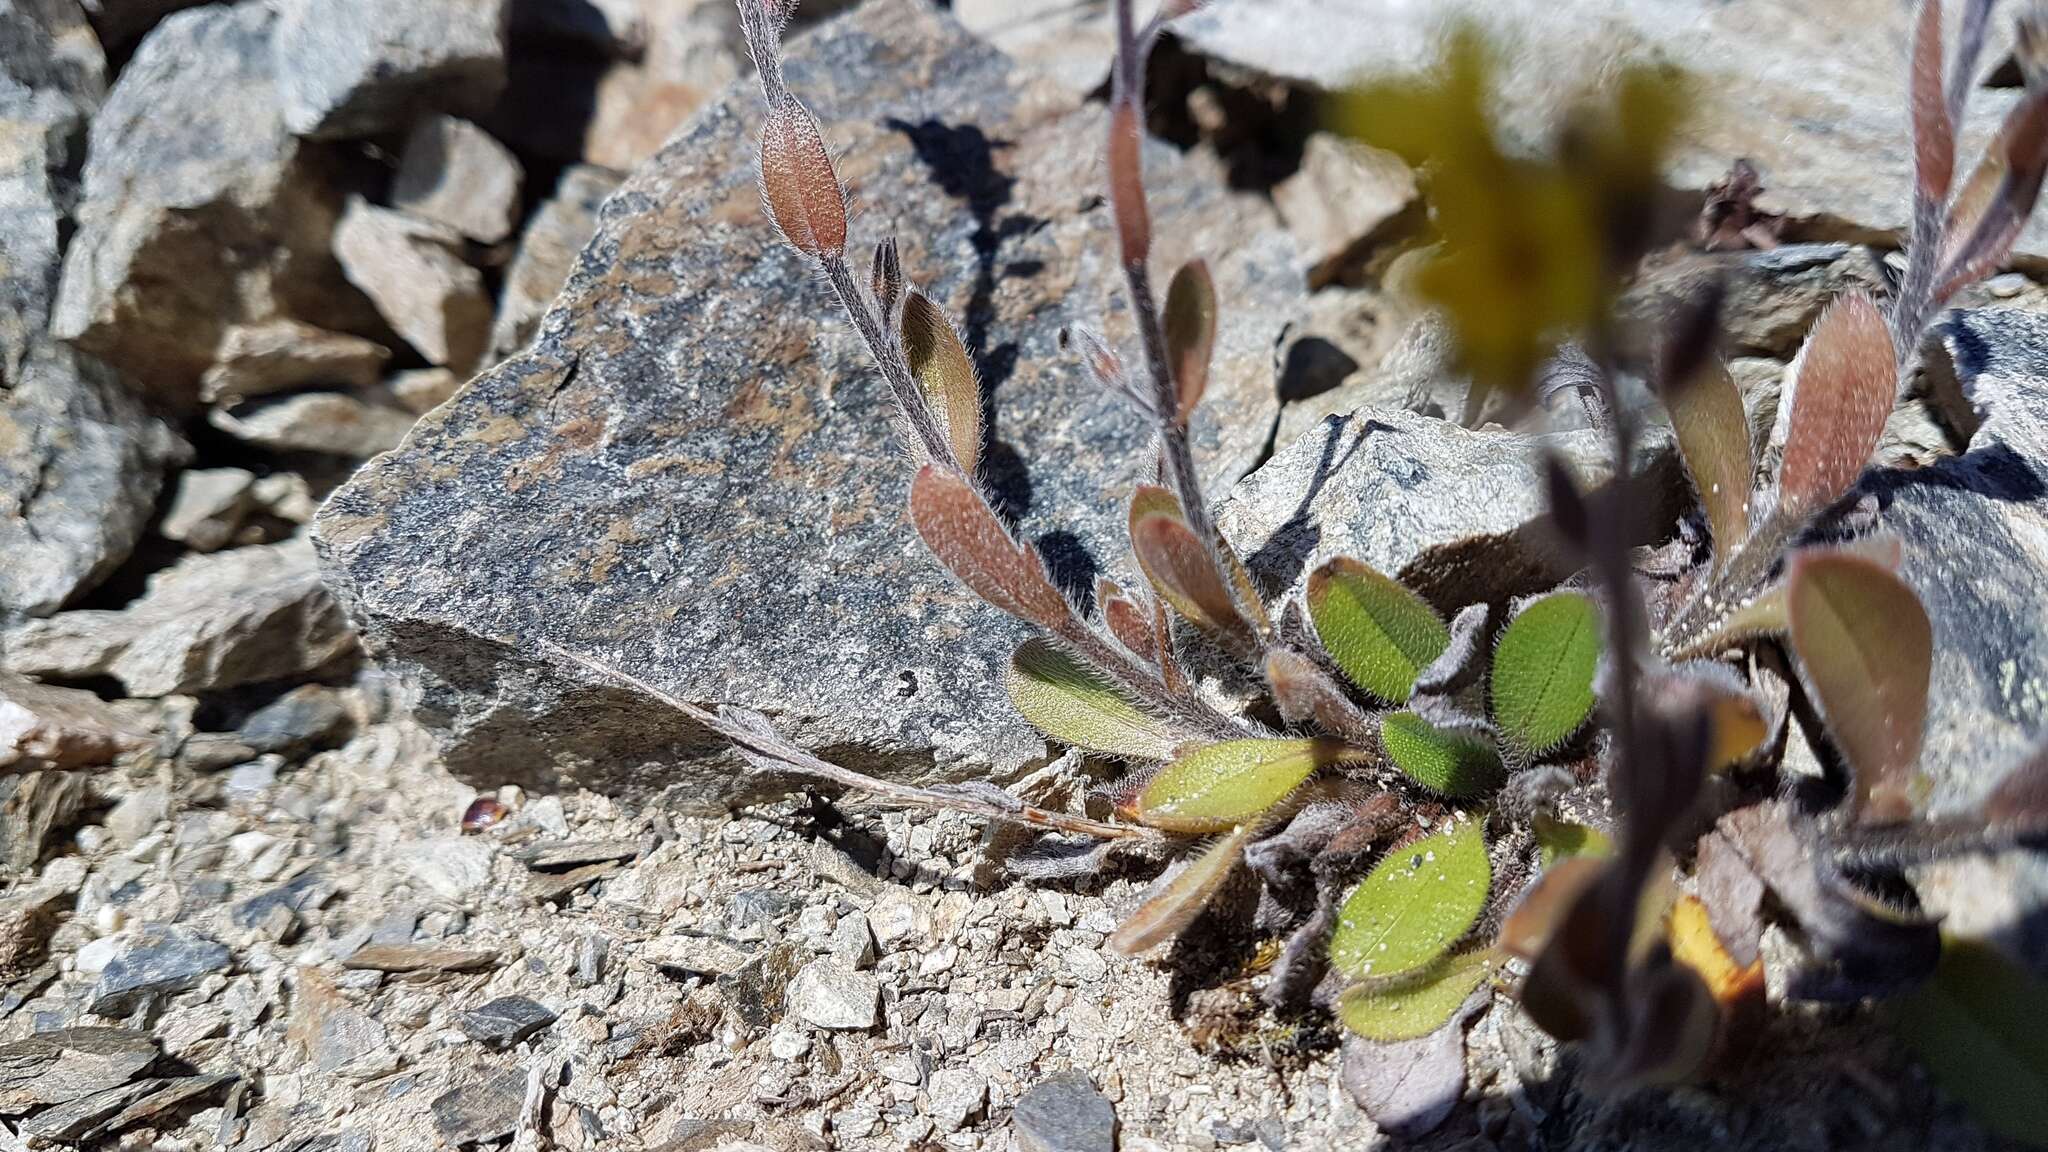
(800, 762)
(887, 354)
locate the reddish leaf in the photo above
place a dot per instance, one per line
(1190, 323)
(1162, 632)
(1129, 621)
(968, 539)
(1304, 692)
(946, 374)
(1866, 646)
(1544, 905)
(1934, 139)
(1993, 208)
(1127, 183)
(1175, 902)
(798, 184)
(1845, 380)
(1713, 439)
(1179, 567)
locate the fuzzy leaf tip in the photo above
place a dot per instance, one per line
(1378, 631)
(1543, 671)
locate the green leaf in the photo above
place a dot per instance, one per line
(1456, 764)
(1543, 671)
(1981, 1026)
(1073, 704)
(1175, 902)
(1867, 647)
(1219, 786)
(1561, 839)
(1377, 630)
(1416, 1006)
(946, 374)
(1416, 903)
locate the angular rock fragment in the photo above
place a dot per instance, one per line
(1064, 1113)
(691, 456)
(421, 390)
(209, 507)
(280, 354)
(1344, 199)
(547, 252)
(484, 1108)
(305, 719)
(403, 958)
(330, 423)
(828, 996)
(200, 210)
(44, 726)
(34, 806)
(362, 67)
(72, 1119)
(61, 1066)
(454, 174)
(158, 961)
(412, 270)
(505, 1021)
(207, 622)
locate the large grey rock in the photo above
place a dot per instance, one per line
(1455, 513)
(1974, 535)
(200, 210)
(81, 463)
(361, 67)
(1813, 94)
(692, 472)
(547, 252)
(80, 459)
(207, 622)
(1064, 1113)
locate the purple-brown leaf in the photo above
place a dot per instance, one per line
(1845, 381)
(798, 184)
(1180, 897)
(1179, 567)
(1866, 646)
(1190, 324)
(1127, 183)
(1993, 207)
(1934, 138)
(958, 527)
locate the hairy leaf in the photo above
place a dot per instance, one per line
(1180, 568)
(1866, 646)
(1219, 786)
(1131, 625)
(1127, 183)
(1416, 903)
(1190, 324)
(1456, 764)
(1981, 1026)
(1415, 1006)
(1543, 671)
(1764, 614)
(1072, 703)
(1844, 383)
(1377, 630)
(1993, 208)
(967, 538)
(1934, 138)
(1305, 693)
(1175, 902)
(798, 184)
(946, 373)
(1713, 439)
